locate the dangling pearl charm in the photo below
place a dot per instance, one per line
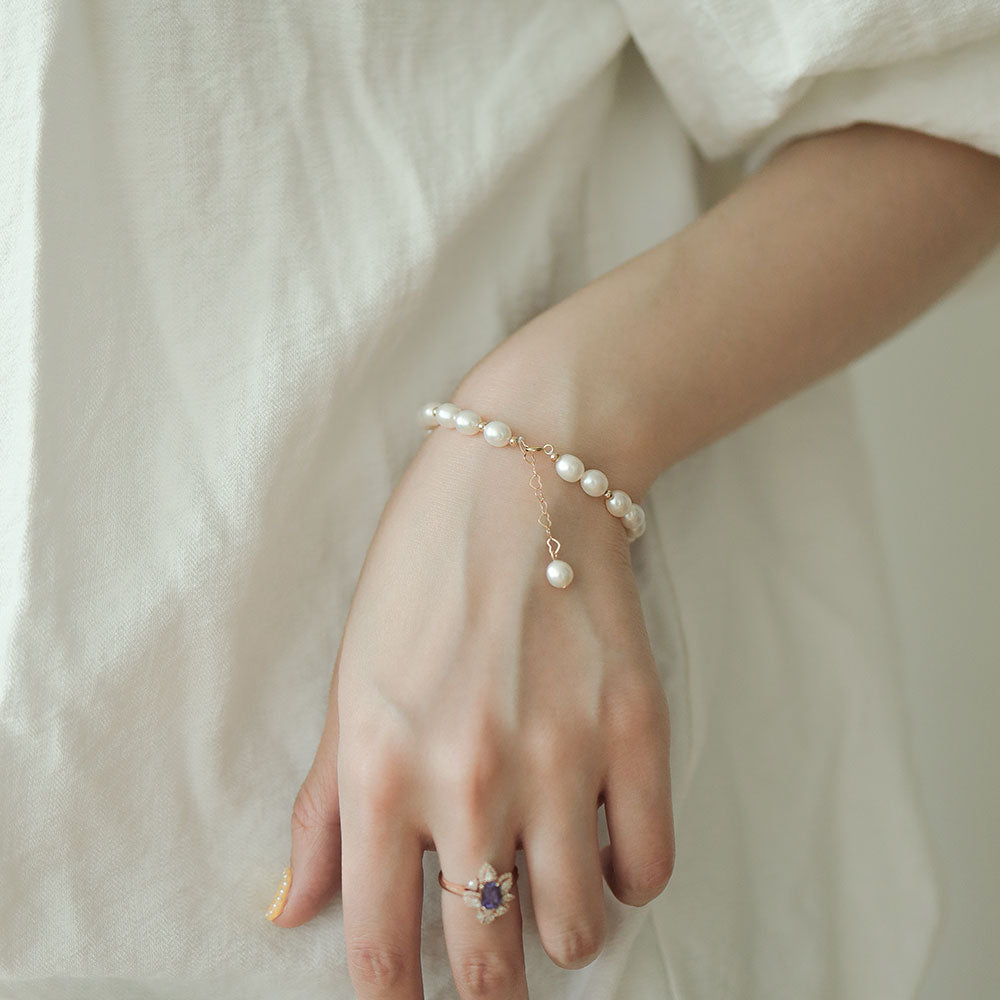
(559, 573)
(569, 468)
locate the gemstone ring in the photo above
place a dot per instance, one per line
(490, 894)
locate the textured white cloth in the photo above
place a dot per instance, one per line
(239, 244)
(749, 75)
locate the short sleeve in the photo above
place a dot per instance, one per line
(746, 76)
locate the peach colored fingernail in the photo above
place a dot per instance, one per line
(278, 903)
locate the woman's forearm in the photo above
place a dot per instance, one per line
(838, 242)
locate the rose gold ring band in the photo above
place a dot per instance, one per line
(489, 894)
(459, 890)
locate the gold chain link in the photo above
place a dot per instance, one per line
(551, 542)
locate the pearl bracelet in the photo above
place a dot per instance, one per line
(593, 482)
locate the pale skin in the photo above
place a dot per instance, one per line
(474, 709)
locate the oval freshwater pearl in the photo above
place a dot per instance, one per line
(570, 468)
(559, 573)
(446, 414)
(497, 433)
(594, 482)
(633, 533)
(426, 415)
(634, 518)
(467, 422)
(618, 503)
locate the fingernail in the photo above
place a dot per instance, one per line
(278, 903)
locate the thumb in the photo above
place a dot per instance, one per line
(315, 856)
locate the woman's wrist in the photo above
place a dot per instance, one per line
(552, 389)
(767, 292)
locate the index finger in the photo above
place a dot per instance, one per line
(382, 901)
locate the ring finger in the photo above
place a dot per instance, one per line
(484, 940)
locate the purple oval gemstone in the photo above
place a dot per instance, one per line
(490, 896)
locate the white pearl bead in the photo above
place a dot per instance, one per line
(633, 533)
(559, 573)
(569, 467)
(618, 503)
(497, 433)
(426, 415)
(593, 482)
(634, 518)
(467, 422)
(446, 414)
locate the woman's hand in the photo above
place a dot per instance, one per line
(475, 711)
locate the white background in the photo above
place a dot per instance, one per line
(930, 402)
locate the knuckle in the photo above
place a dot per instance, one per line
(376, 781)
(554, 753)
(385, 789)
(310, 812)
(374, 967)
(574, 947)
(473, 782)
(483, 974)
(648, 879)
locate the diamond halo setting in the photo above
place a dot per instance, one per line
(490, 894)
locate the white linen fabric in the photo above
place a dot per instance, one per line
(749, 75)
(239, 245)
